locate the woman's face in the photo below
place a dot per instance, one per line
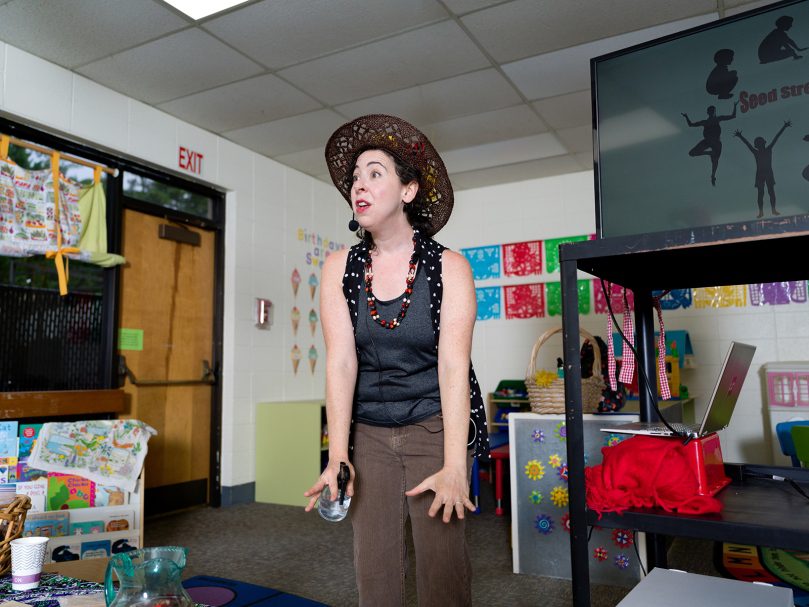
(377, 193)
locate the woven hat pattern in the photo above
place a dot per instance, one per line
(407, 143)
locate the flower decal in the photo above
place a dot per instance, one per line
(600, 554)
(622, 561)
(561, 431)
(559, 497)
(566, 521)
(544, 524)
(538, 435)
(554, 461)
(613, 439)
(536, 497)
(534, 469)
(622, 538)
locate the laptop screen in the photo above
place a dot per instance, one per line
(728, 387)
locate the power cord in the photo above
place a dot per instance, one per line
(641, 371)
(772, 477)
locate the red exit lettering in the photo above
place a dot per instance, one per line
(190, 160)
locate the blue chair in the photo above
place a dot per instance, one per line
(784, 432)
(800, 438)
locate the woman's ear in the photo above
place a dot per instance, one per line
(410, 191)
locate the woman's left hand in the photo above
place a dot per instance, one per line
(451, 492)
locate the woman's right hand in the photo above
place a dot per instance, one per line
(329, 477)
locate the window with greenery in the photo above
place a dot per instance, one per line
(168, 196)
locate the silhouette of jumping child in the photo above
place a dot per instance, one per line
(777, 44)
(710, 145)
(764, 175)
(721, 80)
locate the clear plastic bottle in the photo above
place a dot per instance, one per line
(336, 510)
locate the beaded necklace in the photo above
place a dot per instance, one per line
(411, 276)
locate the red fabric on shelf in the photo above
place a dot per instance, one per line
(646, 472)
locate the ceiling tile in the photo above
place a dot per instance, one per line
(534, 169)
(585, 159)
(476, 129)
(741, 6)
(529, 27)
(177, 65)
(568, 70)
(59, 30)
(232, 106)
(577, 139)
(565, 111)
(289, 135)
(503, 152)
(461, 7)
(457, 96)
(312, 162)
(279, 34)
(432, 52)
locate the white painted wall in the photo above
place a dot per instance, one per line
(267, 203)
(563, 206)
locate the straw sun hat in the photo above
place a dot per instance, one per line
(402, 140)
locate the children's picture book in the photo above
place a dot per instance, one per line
(120, 521)
(109, 452)
(7, 493)
(107, 495)
(8, 440)
(67, 491)
(87, 527)
(48, 524)
(26, 473)
(94, 549)
(38, 492)
(28, 434)
(125, 544)
(61, 550)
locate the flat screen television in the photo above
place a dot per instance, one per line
(706, 127)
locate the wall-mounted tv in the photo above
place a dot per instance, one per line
(706, 127)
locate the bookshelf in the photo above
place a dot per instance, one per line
(726, 254)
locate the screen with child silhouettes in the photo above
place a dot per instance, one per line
(706, 127)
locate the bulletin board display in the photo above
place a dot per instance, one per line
(539, 501)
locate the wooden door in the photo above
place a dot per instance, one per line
(167, 294)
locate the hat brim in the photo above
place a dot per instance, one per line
(405, 142)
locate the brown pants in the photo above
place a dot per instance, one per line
(389, 461)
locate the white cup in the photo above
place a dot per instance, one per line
(27, 556)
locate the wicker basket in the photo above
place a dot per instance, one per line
(12, 520)
(551, 398)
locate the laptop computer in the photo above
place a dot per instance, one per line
(720, 408)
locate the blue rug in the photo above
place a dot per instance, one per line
(220, 592)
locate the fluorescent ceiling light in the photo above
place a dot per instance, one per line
(198, 9)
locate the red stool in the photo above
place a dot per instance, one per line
(498, 455)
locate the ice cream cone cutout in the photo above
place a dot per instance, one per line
(296, 281)
(295, 356)
(313, 282)
(312, 358)
(313, 321)
(296, 318)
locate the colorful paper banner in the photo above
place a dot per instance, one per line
(616, 298)
(777, 293)
(552, 250)
(675, 299)
(553, 291)
(488, 303)
(720, 297)
(525, 301)
(522, 258)
(485, 261)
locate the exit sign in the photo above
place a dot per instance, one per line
(190, 160)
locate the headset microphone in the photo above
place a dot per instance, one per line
(353, 225)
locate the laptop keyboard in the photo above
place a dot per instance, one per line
(680, 428)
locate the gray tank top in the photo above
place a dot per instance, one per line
(397, 382)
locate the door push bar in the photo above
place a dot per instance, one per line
(208, 376)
